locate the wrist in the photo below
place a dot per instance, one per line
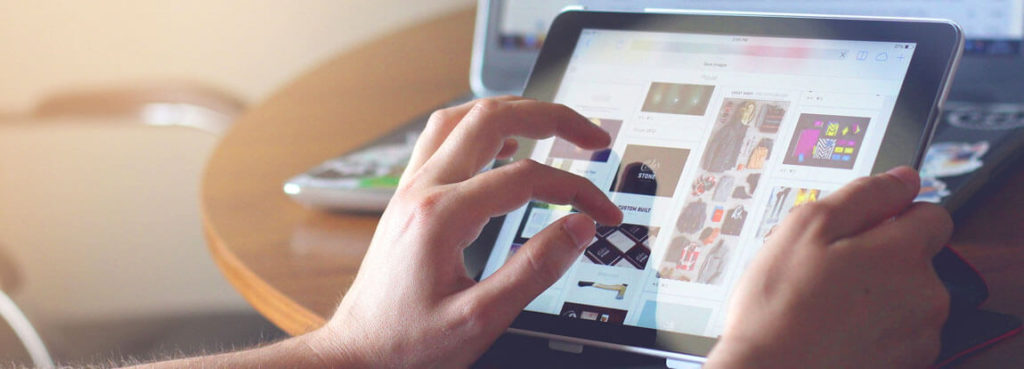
(331, 350)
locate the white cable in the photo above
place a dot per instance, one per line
(24, 330)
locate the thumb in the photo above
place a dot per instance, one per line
(535, 267)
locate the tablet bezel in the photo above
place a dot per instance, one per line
(929, 75)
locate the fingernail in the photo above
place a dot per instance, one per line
(580, 228)
(906, 175)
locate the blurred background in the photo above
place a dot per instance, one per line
(108, 111)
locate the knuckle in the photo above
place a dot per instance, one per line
(443, 120)
(525, 166)
(816, 216)
(410, 181)
(440, 118)
(473, 316)
(427, 206)
(486, 107)
(538, 267)
(486, 114)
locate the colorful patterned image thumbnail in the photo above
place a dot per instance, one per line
(563, 149)
(781, 202)
(627, 246)
(650, 170)
(673, 98)
(827, 141)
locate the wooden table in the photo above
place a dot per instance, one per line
(293, 264)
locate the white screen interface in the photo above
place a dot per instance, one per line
(715, 140)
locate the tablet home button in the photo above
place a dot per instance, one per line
(562, 346)
(679, 364)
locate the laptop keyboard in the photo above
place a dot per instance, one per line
(988, 116)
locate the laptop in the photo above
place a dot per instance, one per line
(982, 130)
(507, 39)
(981, 133)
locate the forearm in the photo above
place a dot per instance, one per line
(298, 352)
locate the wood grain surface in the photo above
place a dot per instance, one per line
(294, 264)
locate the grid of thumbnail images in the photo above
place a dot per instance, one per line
(717, 203)
(717, 206)
(627, 245)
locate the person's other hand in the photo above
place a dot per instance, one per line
(412, 303)
(846, 282)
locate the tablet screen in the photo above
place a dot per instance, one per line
(715, 140)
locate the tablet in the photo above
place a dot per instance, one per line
(722, 124)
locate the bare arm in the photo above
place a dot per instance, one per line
(298, 352)
(844, 283)
(412, 303)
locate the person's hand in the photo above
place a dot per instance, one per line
(412, 303)
(846, 282)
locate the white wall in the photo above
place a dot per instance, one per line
(103, 215)
(247, 47)
(102, 218)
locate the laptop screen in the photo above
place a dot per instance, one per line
(524, 23)
(993, 27)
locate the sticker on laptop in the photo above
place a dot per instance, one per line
(932, 190)
(951, 159)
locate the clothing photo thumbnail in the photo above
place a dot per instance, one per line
(563, 149)
(716, 209)
(781, 202)
(827, 141)
(700, 261)
(650, 170)
(734, 130)
(627, 246)
(679, 99)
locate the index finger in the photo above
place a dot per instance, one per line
(482, 133)
(439, 126)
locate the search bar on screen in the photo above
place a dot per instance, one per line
(744, 50)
